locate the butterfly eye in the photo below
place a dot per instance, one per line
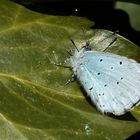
(87, 43)
(87, 47)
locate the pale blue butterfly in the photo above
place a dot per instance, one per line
(111, 81)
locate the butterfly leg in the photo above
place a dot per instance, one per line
(69, 51)
(61, 65)
(72, 77)
(70, 80)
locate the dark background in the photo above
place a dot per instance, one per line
(102, 12)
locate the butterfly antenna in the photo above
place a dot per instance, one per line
(114, 40)
(60, 65)
(114, 33)
(74, 45)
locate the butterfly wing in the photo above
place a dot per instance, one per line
(111, 81)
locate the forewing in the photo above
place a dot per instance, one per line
(112, 81)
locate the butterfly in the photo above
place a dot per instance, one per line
(111, 81)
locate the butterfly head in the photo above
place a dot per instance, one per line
(87, 46)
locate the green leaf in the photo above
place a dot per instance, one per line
(35, 104)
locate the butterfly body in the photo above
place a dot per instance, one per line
(111, 81)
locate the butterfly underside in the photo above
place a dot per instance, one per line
(111, 81)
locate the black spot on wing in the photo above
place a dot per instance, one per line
(121, 78)
(91, 88)
(120, 62)
(101, 94)
(102, 105)
(105, 85)
(101, 60)
(98, 73)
